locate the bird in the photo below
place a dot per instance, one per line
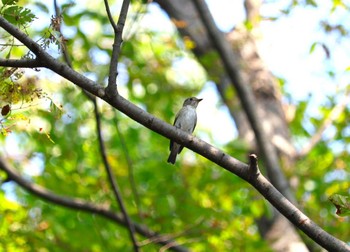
(186, 120)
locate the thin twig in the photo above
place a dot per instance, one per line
(333, 115)
(129, 164)
(82, 205)
(58, 28)
(181, 233)
(112, 179)
(139, 13)
(247, 99)
(111, 89)
(110, 17)
(66, 55)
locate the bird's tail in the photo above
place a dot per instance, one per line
(173, 153)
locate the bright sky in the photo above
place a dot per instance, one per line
(285, 46)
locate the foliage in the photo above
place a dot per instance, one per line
(342, 204)
(15, 14)
(53, 136)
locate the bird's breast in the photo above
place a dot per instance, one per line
(186, 119)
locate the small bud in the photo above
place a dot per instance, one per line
(101, 92)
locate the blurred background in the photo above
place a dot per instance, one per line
(294, 56)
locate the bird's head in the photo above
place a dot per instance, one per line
(192, 101)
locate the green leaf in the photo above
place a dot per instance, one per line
(313, 46)
(9, 2)
(312, 3)
(18, 15)
(42, 6)
(342, 203)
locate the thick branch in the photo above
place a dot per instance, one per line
(24, 63)
(201, 147)
(299, 219)
(252, 9)
(82, 205)
(112, 179)
(246, 96)
(118, 32)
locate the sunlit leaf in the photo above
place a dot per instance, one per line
(342, 204)
(9, 2)
(313, 46)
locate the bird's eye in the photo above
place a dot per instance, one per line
(191, 99)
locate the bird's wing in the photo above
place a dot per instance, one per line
(177, 125)
(195, 123)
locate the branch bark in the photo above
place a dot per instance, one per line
(267, 100)
(85, 206)
(217, 156)
(23, 63)
(118, 32)
(246, 96)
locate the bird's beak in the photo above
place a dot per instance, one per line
(199, 100)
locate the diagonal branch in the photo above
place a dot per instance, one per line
(291, 212)
(247, 99)
(112, 180)
(110, 17)
(78, 204)
(118, 32)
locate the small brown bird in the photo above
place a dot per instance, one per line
(186, 119)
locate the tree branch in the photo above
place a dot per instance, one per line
(110, 174)
(78, 204)
(47, 61)
(246, 96)
(252, 10)
(24, 63)
(112, 179)
(118, 32)
(208, 151)
(110, 17)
